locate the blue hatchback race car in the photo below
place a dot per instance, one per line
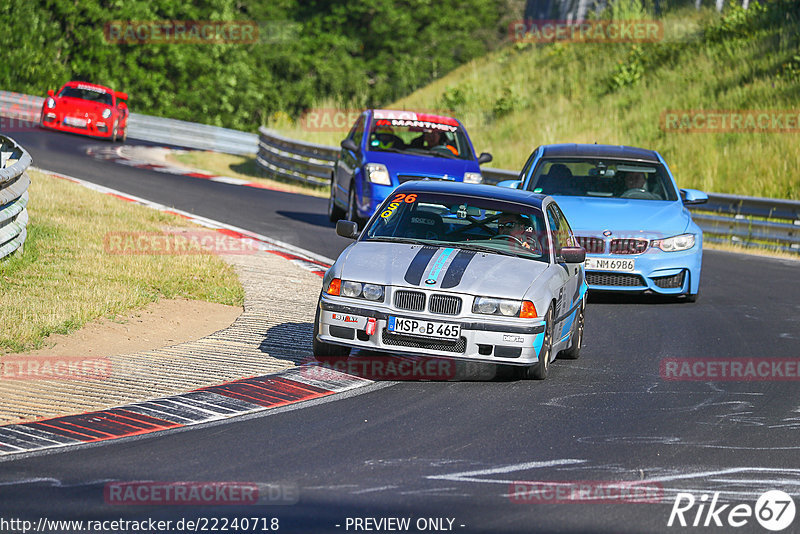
(386, 148)
(626, 211)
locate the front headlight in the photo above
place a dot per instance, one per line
(358, 290)
(106, 113)
(472, 178)
(377, 173)
(674, 243)
(490, 306)
(50, 102)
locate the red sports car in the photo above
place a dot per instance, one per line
(87, 108)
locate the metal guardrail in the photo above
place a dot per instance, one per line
(286, 158)
(748, 221)
(14, 182)
(147, 127)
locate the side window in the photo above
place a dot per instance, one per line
(566, 236)
(357, 133)
(526, 170)
(555, 232)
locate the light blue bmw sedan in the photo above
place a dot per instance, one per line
(626, 211)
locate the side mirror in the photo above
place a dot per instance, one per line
(693, 196)
(513, 184)
(349, 144)
(485, 157)
(347, 229)
(573, 254)
(50, 92)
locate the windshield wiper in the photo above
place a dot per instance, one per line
(410, 240)
(389, 149)
(426, 152)
(484, 248)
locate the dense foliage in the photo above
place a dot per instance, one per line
(356, 53)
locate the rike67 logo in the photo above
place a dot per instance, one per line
(774, 510)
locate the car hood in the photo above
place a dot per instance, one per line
(653, 219)
(415, 165)
(439, 268)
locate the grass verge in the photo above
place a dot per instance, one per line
(65, 278)
(243, 167)
(525, 95)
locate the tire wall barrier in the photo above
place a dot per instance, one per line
(14, 182)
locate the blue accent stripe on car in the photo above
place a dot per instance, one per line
(438, 265)
(417, 267)
(457, 267)
(538, 341)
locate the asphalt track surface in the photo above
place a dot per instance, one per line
(451, 449)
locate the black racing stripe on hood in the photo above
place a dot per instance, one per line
(417, 267)
(457, 267)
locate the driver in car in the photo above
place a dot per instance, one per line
(516, 227)
(431, 139)
(635, 180)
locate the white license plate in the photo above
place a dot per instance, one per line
(75, 121)
(608, 264)
(417, 327)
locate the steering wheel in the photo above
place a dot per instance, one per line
(639, 192)
(442, 149)
(532, 243)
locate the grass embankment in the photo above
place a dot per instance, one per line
(66, 278)
(243, 167)
(530, 94)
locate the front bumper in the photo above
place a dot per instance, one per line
(344, 322)
(665, 273)
(102, 128)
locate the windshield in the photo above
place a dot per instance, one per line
(418, 133)
(466, 222)
(602, 178)
(85, 92)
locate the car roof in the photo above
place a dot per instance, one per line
(575, 150)
(493, 192)
(77, 83)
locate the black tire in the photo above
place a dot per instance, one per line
(352, 210)
(574, 351)
(334, 212)
(326, 352)
(125, 133)
(692, 297)
(540, 370)
(114, 134)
